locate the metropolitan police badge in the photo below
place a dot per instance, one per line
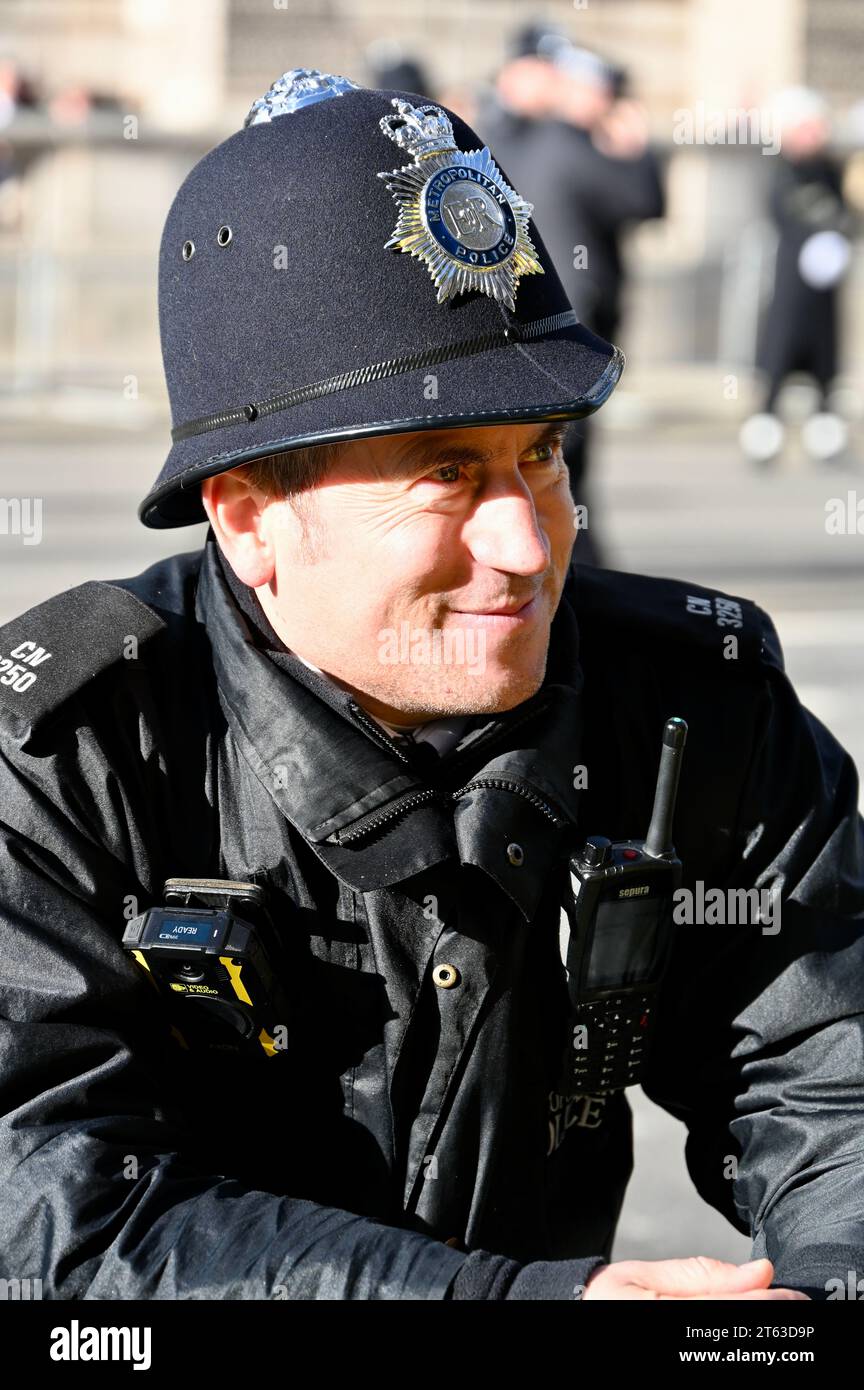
(456, 212)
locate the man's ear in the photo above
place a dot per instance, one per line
(236, 513)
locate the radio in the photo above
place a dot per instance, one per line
(211, 951)
(615, 938)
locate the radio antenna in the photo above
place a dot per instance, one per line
(658, 841)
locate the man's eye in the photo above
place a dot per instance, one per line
(541, 453)
(550, 457)
(446, 468)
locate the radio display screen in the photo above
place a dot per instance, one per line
(626, 935)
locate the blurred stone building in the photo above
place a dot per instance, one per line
(119, 98)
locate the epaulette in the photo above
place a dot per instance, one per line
(52, 651)
(638, 608)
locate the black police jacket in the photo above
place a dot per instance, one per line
(407, 1128)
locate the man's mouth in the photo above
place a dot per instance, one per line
(506, 615)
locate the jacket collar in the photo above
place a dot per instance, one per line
(332, 771)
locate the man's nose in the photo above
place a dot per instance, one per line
(504, 533)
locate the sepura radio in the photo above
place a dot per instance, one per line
(616, 933)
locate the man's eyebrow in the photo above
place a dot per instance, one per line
(420, 455)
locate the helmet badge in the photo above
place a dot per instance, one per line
(295, 89)
(456, 212)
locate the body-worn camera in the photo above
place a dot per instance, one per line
(615, 938)
(213, 954)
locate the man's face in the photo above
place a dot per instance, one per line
(581, 102)
(524, 86)
(384, 574)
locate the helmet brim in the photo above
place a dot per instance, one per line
(560, 378)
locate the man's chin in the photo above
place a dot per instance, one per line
(482, 694)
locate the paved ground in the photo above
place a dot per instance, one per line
(674, 500)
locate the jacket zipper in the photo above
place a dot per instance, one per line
(407, 803)
(414, 799)
(514, 784)
(380, 738)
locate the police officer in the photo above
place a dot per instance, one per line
(352, 270)
(801, 326)
(580, 152)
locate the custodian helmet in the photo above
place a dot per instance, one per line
(350, 263)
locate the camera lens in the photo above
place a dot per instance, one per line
(188, 972)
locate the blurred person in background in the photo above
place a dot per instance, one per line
(801, 329)
(17, 91)
(562, 127)
(394, 69)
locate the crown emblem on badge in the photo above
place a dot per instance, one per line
(456, 211)
(421, 130)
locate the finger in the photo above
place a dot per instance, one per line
(774, 1295)
(699, 1274)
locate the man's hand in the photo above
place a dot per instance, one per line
(623, 131)
(696, 1278)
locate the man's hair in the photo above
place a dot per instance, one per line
(292, 476)
(287, 474)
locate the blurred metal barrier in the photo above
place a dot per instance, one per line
(748, 271)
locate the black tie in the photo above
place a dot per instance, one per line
(423, 754)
